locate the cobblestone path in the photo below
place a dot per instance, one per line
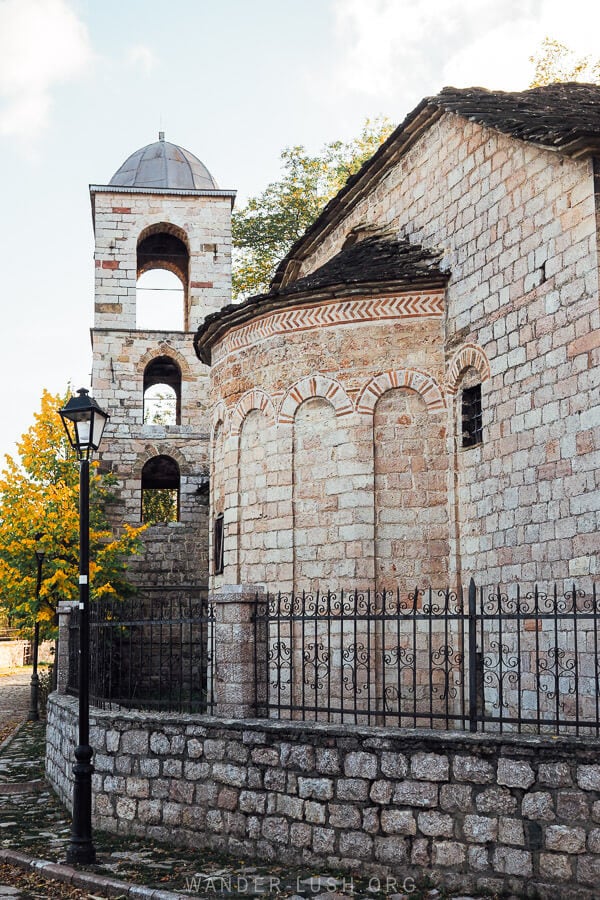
(14, 700)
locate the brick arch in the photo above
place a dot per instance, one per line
(218, 417)
(310, 388)
(164, 349)
(164, 228)
(253, 399)
(423, 384)
(152, 450)
(469, 356)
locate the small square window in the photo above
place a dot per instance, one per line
(218, 544)
(472, 429)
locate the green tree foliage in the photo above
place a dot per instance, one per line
(159, 505)
(267, 226)
(555, 62)
(39, 495)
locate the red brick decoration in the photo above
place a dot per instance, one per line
(469, 356)
(254, 399)
(315, 386)
(164, 349)
(417, 381)
(218, 416)
(335, 312)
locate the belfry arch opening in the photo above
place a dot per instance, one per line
(162, 279)
(162, 392)
(160, 491)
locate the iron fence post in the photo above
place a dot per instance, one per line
(472, 656)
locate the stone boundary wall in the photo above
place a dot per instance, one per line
(483, 812)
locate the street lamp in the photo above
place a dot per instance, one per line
(84, 423)
(35, 681)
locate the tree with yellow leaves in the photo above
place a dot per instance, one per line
(555, 61)
(39, 508)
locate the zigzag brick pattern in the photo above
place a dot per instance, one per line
(334, 312)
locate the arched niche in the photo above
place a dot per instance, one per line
(162, 392)
(162, 278)
(160, 490)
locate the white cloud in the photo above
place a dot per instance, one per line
(42, 43)
(142, 56)
(393, 48)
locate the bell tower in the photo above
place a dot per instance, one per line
(162, 210)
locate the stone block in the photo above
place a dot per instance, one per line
(588, 777)
(448, 853)
(572, 805)
(510, 831)
(398, 821)
(381, 792)
(496, 800)
(515, 773)
(480, 829)
(511, 861)
(455, 797)
(342, 815)
(391, 850)
(430, 767)
(416, 793)
(565, 839)
(352, 789)
(538, 805)
(471, 768)
(276, 829)
(355, 844)
(315, 788)
(360, 765)
(435, 824)
(327, 761)
(394, 765)
(323, 840)
(588, 870)
(315, 813)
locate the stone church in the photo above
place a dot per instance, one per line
(415, 400)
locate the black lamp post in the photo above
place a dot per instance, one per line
(35, 681)
(84, 423)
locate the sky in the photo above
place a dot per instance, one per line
(84, 83)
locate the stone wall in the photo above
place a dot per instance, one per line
(519, 228)
(487, 812)
(306, 480)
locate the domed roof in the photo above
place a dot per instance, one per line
(164, 165)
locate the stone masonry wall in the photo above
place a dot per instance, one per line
(520, 232)
(120, 218)
(482, 812)
(295, 464)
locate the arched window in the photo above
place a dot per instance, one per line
(162, 392)
(162, 271)
(160, 491)
(470, 410)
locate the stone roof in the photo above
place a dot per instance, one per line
(164, 165)
(374, 265)
(561, 117)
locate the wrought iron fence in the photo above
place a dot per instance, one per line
(473, 660)
(154, 651)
